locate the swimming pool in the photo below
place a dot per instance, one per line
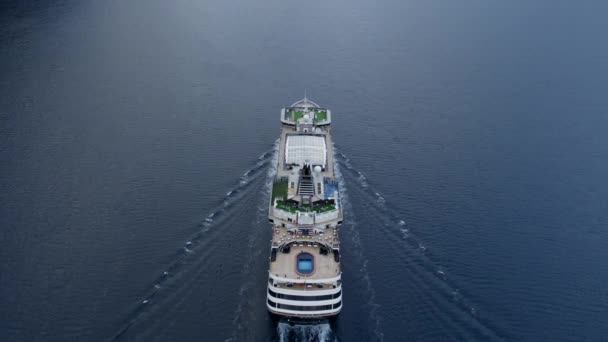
(305, 263)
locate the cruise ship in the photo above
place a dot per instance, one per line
(304, 277)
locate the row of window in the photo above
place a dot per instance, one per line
(306, 298)
(304, 308)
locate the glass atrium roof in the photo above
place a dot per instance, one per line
(305, 148)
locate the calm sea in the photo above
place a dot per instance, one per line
(137, 141)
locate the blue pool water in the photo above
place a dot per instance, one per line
(305, 263)
(329, 187)
(305, 266)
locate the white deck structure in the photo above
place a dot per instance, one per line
(302, 149)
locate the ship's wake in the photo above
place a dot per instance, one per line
(182, 279)
(417, 261)
(305, 333)
(357, 251)
(253, 254)
(169, 290)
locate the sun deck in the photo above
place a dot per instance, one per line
(325, 265)
(286, 264)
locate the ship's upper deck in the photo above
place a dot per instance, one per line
(305, 206)
(305, 191)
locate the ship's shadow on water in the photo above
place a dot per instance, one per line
(321, 332)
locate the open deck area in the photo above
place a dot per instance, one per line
(325, 265)
(285, 265)
(319, 116)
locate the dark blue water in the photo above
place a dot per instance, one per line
(137, 143)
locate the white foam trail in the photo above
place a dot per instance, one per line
(209, 219)
(345, 161)
(248, 283)
(354, 235)
(456, 296)
(446, 284)
(312, 333)
(362, 180)
(380, 199)
(191, 245)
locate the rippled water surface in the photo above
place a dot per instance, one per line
(138, 143)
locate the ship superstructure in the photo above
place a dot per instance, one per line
(304, 279)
